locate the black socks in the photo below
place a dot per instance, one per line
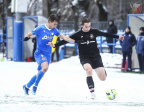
(90, 83)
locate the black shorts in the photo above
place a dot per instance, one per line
(94, 61)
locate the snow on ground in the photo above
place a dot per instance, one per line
(64, 88)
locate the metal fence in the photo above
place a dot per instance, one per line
(69, 25)
(67, 28)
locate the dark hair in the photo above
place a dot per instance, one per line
(142, 28)
(85, 20)
(129, 28)
(53, 17)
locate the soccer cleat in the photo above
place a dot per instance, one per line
(93, 95)
(34, 90)
(26, 90)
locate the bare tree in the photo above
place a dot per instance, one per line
(103, 12)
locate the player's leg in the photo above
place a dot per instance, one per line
(41, 73)
(86, 63)
(89, 79)
(43, 61)
(29, 84)
(97, 65)
(101, 73)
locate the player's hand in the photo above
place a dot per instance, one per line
(26, 38)
(51, 44)
(121, 38)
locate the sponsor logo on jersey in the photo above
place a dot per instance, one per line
(47, 37)
(88, 41)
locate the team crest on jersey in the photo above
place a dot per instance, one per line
(91, 36)
(129, 35)
(42, 57)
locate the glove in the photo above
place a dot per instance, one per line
(79, 41)
(26, 38)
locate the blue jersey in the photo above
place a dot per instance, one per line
(44, 36)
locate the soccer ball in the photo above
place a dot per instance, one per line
(111, 94)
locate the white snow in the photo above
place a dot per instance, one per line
(64, 88)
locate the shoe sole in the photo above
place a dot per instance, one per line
(33, 93)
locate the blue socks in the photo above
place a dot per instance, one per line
(39, 77)
(31, 82)
(35, 79)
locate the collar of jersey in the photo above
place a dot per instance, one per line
(47, 27)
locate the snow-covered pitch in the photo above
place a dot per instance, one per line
(64, 88)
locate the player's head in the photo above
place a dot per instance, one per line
(53, 21)
(111, 22)
(141, 29)
(128, 29)
(86, 24)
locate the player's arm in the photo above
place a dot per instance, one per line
(27, 36)
(66, 38)
(99, 33)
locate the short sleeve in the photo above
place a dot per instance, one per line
(36, 30)
(57, 32)
(75, 35)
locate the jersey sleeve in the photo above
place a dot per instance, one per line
(73, 36)
(57, 32)
(99, 33)
(35, 31)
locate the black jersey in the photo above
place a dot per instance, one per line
(88, 44)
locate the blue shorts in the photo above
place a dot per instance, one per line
(41, 57)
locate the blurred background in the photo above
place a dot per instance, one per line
(70, 13)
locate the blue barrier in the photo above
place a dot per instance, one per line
(63, 50)
(17, 45)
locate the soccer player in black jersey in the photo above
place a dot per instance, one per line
(89, 54)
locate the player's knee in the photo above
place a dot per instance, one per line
(44, 69)
(89, 71)
(103, 78)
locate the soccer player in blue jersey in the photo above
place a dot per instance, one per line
(45, 34)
